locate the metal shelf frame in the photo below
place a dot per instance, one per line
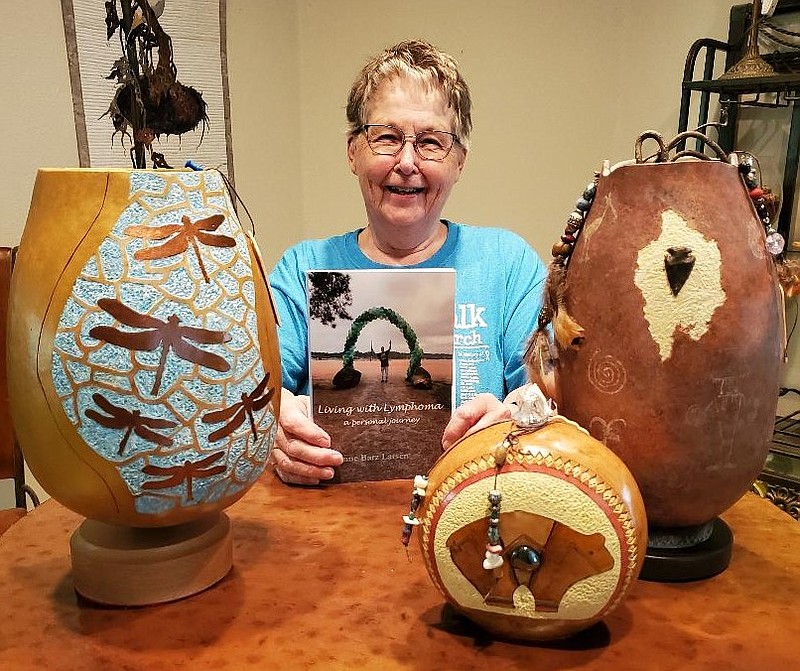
(784, 86)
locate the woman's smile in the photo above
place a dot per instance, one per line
(404, 190)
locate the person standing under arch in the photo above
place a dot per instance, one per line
(383, 357)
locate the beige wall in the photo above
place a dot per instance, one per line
(263, 68)
(555, 92)
(36, 112)
(557, 88)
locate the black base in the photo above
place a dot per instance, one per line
(695, 562)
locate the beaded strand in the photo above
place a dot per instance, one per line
(775, 243)
(563, 249)
(494, 549)
(410, 521)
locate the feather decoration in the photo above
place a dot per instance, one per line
(568, 333)
(789, 276)
(540, 361)
(541, 353)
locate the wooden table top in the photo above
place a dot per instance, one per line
(321, 581)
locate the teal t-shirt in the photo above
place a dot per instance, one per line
(499, 283)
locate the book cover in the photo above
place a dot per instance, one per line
(381, 366)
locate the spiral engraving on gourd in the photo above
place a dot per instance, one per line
(606, 373)
(161, 327)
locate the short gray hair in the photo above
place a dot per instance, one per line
(421, 61)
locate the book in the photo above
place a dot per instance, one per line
(381, 366)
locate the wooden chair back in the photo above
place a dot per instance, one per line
(12, 465)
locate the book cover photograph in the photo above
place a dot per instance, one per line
(381, 366)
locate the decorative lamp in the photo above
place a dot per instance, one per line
(531, 528)
(668, 319)
(144, 374)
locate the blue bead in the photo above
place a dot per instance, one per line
(590, 191)
(526, 557)
(582, 204)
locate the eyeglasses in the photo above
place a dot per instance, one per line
(431, 145)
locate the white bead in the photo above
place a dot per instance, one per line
(492, 561)
(775, 243)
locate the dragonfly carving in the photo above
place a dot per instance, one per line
(235, 414)
(132, 421)
(180, 236)
(187, 472)
(169, 335)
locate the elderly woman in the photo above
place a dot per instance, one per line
(409, 127)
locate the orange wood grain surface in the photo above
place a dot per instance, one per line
(321, 581)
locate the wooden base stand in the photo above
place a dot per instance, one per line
(696, 562)
(126, 566)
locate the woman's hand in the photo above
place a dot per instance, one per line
(475, 414)
(302, 454)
